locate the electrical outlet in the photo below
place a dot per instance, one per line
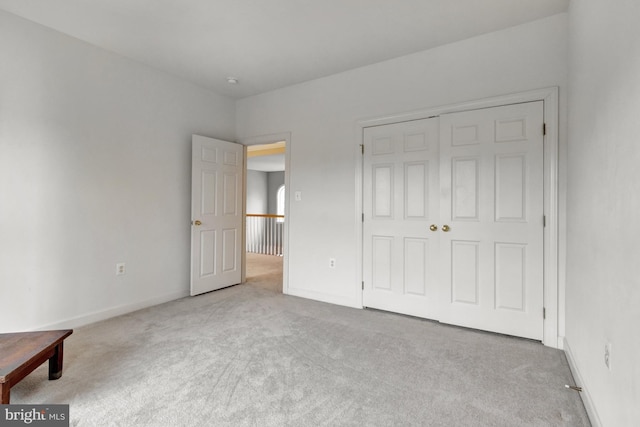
(607, 355)
(332, 263)
(120, 269)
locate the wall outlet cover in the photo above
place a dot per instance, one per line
(120, 269)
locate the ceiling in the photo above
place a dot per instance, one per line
(270, 163)
(266, 157)
(269, 44)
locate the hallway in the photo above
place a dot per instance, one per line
(264, 271)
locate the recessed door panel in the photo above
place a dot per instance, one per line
(209, 154)
(511, 277)
(416, 265)
(416, 142)
(462, 134)
(465, 272)
(508, 130)
(231, 157)
(382, 145)
(208, 195)
(465, 189)
(383, 191)
(231, 193)
(416, 190)
(382, 248)
(511, 187)
(208, 253)
(229, 250)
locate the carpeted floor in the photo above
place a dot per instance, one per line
(265, 271)
(250, 356)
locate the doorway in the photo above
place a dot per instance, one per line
(265, 215)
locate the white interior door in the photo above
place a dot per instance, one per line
(477, 178)
(491, 178)
(216, 214)
(401, 198)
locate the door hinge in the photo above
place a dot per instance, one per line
(544, 128)
(544, 221)
(362, 148)
(362, 216)
(363, 285)
(544, 313)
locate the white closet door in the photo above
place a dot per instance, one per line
(401, 197)
(491, 177)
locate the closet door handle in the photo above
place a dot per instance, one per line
(197, 222)
(433, 227)
(445, 228)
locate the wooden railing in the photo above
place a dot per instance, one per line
(265, 234)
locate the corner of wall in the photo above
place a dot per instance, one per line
(587, 401)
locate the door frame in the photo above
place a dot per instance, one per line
(262, 140)
(552, 295)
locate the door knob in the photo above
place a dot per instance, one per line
(445, 228)
(433, 227)
(197, 222)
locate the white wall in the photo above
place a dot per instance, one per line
(275, 180)
(257, 192)
(322, 116)
(94, 170)
(603, 237)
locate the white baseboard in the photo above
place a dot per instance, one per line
(318, 296)
(96, 316)
(584, 395)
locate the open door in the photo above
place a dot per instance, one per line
(216, 214)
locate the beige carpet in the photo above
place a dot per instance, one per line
(251, 356)
(265, 271)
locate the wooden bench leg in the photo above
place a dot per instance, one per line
(55, 363)
(4, 390)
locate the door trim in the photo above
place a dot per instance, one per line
(552, 294)
(269, 139)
